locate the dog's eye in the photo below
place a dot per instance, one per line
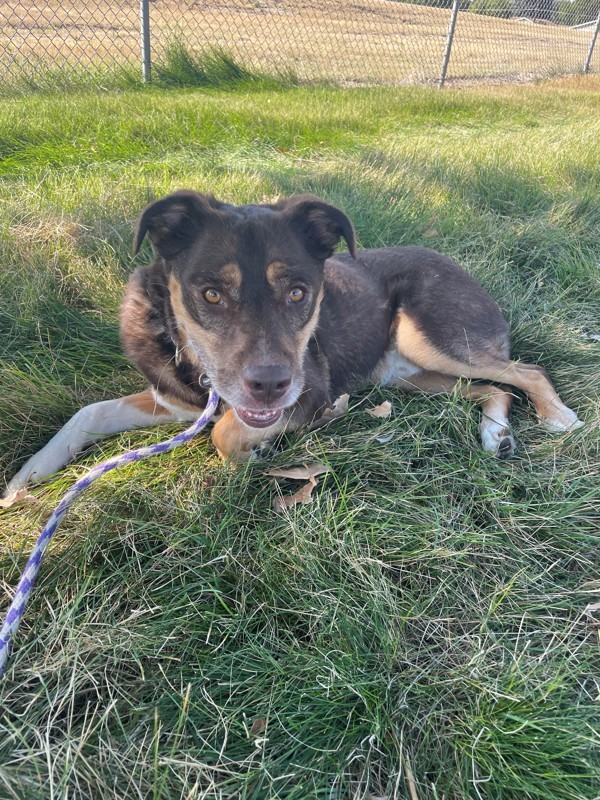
(212, 296)
(295, 295)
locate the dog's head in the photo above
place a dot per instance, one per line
(246, 284)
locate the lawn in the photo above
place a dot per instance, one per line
(425, 628)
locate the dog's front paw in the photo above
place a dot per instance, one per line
(33, 470)
(27, 475)
(12, 498)
(47, 461)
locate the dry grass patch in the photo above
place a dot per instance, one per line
(374, 41)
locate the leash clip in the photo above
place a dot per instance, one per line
(204, 381)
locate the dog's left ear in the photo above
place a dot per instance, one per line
(320, 225)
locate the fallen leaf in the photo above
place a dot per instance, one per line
(258, 726)
(303, 495)
(340, 406)
(385, 439)
(17, 497)
(382, 411)
(303, 473)
(337, 410)
(592, 607)
(594, 336)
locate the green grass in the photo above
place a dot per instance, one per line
(213, 68)
(179, 66)
(426, 616)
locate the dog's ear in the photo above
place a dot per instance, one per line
(320, 225)
(174, 222)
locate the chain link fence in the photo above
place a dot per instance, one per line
(348, 41)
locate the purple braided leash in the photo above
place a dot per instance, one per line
(17, 608)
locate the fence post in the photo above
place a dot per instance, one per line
(145, 37)
(586, 67)
(449, 39)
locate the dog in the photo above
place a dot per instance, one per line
(252, 300)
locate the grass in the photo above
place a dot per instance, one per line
(421, 630)
(179, 66)
(214, 68)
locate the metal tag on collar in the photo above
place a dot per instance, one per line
(204, 381)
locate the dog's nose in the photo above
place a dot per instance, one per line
(267, 383)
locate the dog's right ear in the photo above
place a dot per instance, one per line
(174, 222)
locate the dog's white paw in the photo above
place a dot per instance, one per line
(497, 438)
(38, 467)
(17, 484)
(15, 497)
(59, 451)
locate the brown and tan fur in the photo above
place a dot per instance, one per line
(253, 300)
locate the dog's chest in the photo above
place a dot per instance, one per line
(393, 368)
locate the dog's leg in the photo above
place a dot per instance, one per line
(491, 364)
(554, 415)
(90, 424)
(495, 402)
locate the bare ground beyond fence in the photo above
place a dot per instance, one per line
(353, 42)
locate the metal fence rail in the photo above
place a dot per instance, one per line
(349, 41)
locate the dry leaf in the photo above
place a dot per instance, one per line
(340, 406)
(382, 412)
(303, 495)
(337, 410)
(303, 473)
(258, 726)
(18, 497)
(592, 607)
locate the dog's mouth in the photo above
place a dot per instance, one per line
(259, 419)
